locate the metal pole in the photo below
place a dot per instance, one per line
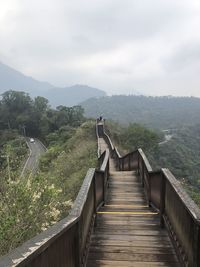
(24, 129)
(8, 162)
(8, 166)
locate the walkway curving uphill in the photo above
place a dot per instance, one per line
(127, 231)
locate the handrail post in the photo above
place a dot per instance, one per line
(142, 173)
(95, 201)
(106, 176)
(162, 199)
(119, 163)
(149, 193)
(196, 258)
(78, 242)
(129, 163)
(138, 163)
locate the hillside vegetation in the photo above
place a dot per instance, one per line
(30, 204)
(154, 112)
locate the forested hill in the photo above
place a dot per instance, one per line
(156, 112)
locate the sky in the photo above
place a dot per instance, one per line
(148, 47)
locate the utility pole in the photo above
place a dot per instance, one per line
(24, 129)
(8, 166)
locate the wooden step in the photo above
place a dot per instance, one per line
(126, 263)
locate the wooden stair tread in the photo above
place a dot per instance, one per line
(108, 263)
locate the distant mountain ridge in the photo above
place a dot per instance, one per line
(73, 95)
(11, 79)
(156, 112)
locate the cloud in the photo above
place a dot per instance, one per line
(185, 56)
(150, 45)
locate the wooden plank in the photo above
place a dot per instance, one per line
(101, 236)
(127, 226)
(133, 257)
(133, 249)
(135, 232)
(122, 201)
(125, 212)
(127, 243)
(128, 218)
(126, 208)
(108, 263)
(127, 215)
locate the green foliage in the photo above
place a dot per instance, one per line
(137, 136)
(35, 117)
(133, 137)
(12, 155)
(29, 206)
(26, 208)
(154, 112)
(181, 154)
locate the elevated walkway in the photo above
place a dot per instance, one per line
(127, 231)
(125, 215)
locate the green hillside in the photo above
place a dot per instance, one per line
(30, 204)
(157, 112)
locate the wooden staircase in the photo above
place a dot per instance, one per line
(127, 231)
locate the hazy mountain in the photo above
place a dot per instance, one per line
(73, 95)
(69, 96)
(157, 112)
(15, 80)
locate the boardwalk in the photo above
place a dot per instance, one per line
(127, 231)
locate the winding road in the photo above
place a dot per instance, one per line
(36, 149)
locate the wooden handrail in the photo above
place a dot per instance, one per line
(98, 145)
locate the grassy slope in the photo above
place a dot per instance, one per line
(29, 206)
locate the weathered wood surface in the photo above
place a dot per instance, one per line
(127, 231)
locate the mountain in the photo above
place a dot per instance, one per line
(15, 80)
(68, 96)
(156, 112)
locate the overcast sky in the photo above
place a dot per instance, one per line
(149, 46)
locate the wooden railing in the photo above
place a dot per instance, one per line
(66, 243)
(178, 213)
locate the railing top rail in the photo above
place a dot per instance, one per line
(105, 161)
(98, 144)
(111, 144)
(117, 152)
(82, 195)
(130, 153)
(37, 244)
(149, 168)
(189, 204)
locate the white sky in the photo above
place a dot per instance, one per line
(150, 46)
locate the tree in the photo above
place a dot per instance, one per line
(41, 104)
